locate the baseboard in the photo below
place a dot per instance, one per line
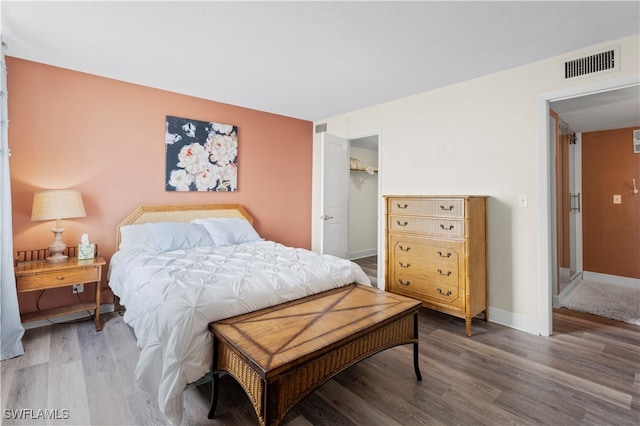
(516, 321)
(613, 279)
(104, 309)
(362, 253)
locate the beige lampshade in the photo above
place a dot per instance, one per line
(57, 204)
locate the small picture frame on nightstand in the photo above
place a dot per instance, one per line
(86, 251)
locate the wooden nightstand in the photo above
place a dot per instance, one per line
(37, 275)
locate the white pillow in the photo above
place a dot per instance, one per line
(132, 236)
(167, 236)
(229, 231)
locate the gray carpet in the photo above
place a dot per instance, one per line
(615, 301)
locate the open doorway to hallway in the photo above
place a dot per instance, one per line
(596, 216)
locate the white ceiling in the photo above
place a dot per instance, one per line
(615, 109)
(309, 60)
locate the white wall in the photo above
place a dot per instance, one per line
(363, 206)
(482, 137)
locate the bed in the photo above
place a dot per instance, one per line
(179, 268)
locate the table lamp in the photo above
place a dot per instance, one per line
(57, 204)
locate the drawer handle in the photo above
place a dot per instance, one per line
(445, 208)
(404, 248)
(446, 274)
(444, 293)
(403, 265)
(400, 206)
(61, 277)
(446, 228)
(405, 283)
(405, 223)
(443, 255)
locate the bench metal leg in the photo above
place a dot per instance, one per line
(416, 365)
(214, 382)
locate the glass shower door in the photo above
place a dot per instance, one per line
(569, 207)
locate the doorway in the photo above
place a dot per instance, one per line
(363, 197)
(364, 190)
(349, 191)
(589, 103)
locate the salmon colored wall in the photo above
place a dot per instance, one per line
(611, 232)
(106, 138)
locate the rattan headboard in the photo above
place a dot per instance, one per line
(181, 213)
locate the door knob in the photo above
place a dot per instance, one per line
(326, 217)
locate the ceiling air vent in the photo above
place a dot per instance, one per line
(603, 61)
(321, 128)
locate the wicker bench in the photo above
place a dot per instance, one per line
(281, 354)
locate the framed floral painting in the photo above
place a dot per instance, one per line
(201, 155)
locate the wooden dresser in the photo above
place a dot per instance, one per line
(437, 252)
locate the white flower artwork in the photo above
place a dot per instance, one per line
(201, 155)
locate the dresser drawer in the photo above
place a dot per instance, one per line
(448, 228)
(57, 278)
(427, 291)
(440, 207)
(427, 280)
(408, 252)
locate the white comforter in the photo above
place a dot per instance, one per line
(171, 297)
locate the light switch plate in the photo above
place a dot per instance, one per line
(617, 199)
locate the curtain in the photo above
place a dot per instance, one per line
(11, 329)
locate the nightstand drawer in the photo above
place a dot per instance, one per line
(60, 278)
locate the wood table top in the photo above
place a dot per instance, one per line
(286, 335)
(36, 266)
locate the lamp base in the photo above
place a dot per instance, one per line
(57, 247)
(58, 257)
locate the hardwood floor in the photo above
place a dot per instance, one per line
(587, 373)
(370, 267)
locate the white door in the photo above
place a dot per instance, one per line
(335, 195)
